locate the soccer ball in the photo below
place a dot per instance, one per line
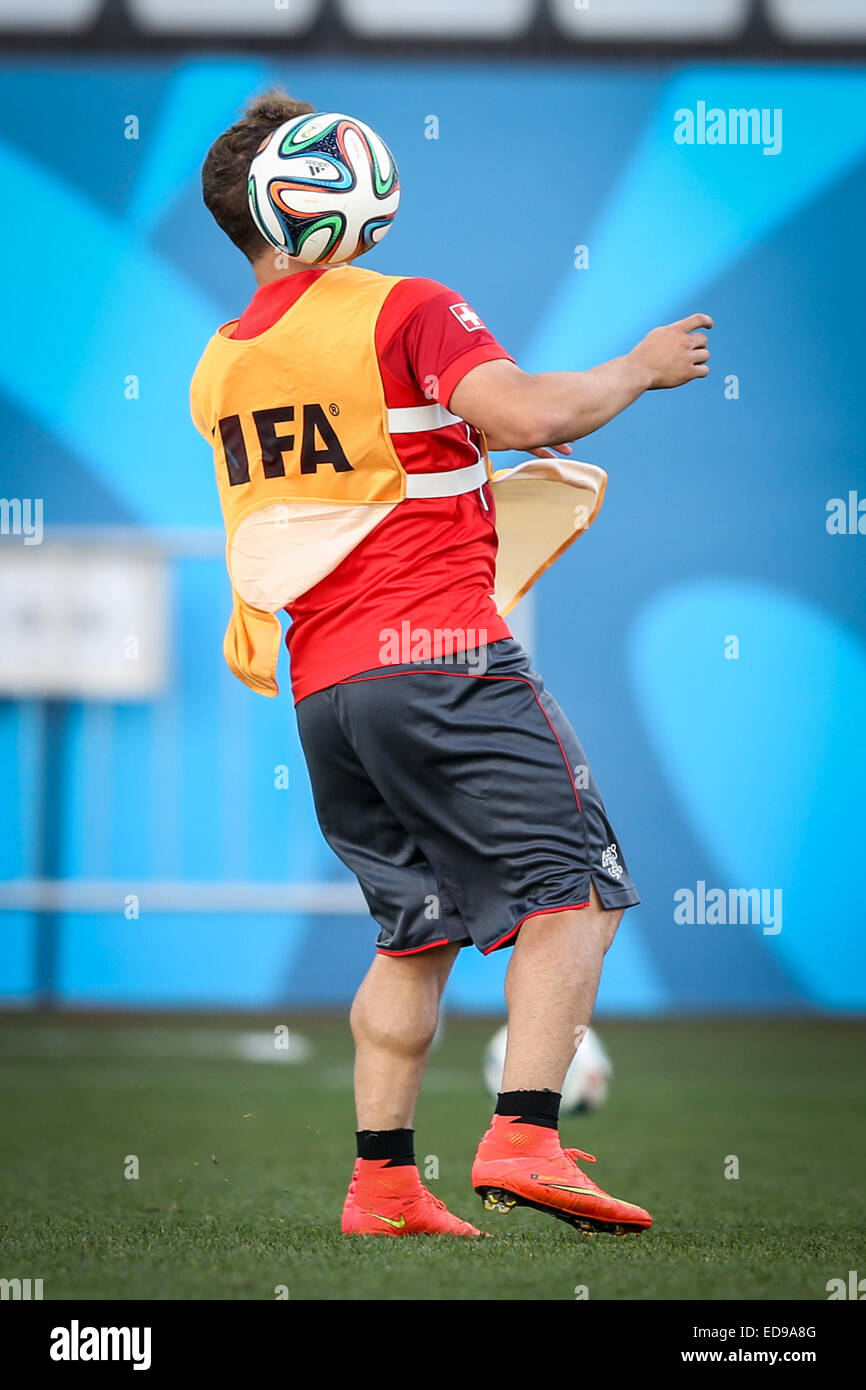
(323, 188)
(586, 1083)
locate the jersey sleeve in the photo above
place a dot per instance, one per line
(440, 339)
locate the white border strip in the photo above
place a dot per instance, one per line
(446, 484)
(412, 419)
(94, 895)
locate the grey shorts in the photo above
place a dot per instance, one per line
(460, 797)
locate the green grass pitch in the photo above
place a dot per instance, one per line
(243, 1165)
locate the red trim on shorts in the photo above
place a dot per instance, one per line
(539, 912)
(413, 950)
(460, 675)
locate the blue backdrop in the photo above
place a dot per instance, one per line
(728, 764)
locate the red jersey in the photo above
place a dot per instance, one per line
(429, 567)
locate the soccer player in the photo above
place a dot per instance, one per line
(443, 775)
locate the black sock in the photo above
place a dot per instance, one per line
(396, 1145)
(531, 1107)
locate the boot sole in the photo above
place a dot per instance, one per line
(499, 1199)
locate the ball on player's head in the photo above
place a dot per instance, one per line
(323, 188)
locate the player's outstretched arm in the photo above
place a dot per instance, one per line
(521, 410)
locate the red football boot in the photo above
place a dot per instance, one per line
(521, 1165)
(392, 1201)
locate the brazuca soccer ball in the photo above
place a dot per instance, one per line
(586, 1083)
(323, 188)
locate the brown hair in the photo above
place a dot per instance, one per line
(224, 172)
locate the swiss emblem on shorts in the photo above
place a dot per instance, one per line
(610, 862)
(465, 314)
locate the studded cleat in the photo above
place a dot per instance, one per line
(521, 1165)
(392, 1201)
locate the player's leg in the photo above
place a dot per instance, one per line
(393, 1021)
(550, 991)
(395, 1012)
(551, 986)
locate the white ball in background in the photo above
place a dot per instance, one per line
(587, 1080)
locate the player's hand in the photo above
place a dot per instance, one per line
(551, 451)
(675, 353)
(548, 452)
